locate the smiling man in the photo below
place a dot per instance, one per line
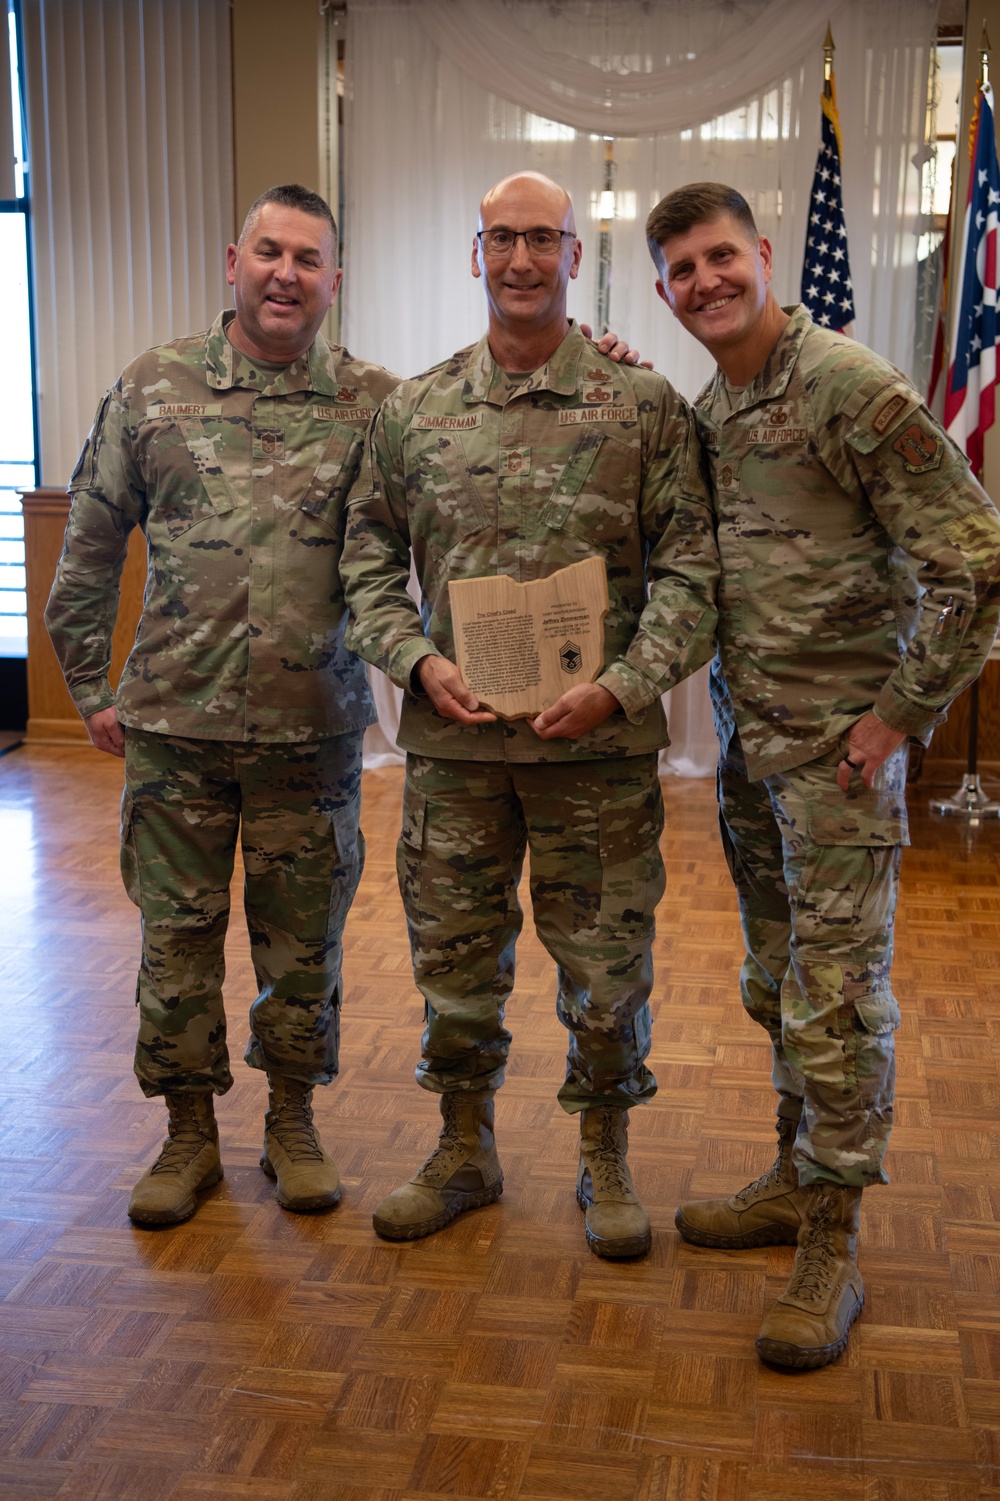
(521, 454)
(240, 712)
(859, 594)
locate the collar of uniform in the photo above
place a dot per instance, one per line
(777, 372)
(227, 368)
(773, 380)
(560, 373)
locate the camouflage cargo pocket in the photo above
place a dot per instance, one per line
(878, 1013)
(853, 850)
(869, 1052)
(632, 875)
(127, 855)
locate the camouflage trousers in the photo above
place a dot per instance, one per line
(596, 876)
(816, 873)
(295, 809)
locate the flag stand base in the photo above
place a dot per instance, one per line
(970, 801)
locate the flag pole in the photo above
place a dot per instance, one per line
(827, 291)
(970, 801)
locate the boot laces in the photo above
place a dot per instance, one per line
(607, 1162)
(773, 1178)
(817, 1254)
(185, 1138)
(759, 1186)
(293, 1127)
(450, 1150)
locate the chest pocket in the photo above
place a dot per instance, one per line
(212, 454)
(443, 492)
(334, 475)
(595, 495)
(192, 467)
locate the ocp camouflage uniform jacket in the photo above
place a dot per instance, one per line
(860, 558)
(236, 472)
(479, 473)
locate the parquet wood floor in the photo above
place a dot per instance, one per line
(258, 1355)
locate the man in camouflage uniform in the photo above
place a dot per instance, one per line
(858, 596)
(521, 454)
(239, 704)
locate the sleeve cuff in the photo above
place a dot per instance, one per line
(405, 658)
(630, 689)
(906, 717)
(92, 696)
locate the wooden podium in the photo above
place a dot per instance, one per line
(52, 716)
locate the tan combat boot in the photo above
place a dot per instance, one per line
(188, 1162)
(616, 1224)
(809, 1324)
(767, 1212)
(463, 1172)
(293, 1154)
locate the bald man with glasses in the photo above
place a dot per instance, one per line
(520, 455)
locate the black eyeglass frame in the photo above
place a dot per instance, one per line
(522, 234)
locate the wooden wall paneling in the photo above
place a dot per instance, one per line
(52, 716)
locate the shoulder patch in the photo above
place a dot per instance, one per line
(885, 415)
(919, 449)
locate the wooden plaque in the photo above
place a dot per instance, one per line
(520, 646)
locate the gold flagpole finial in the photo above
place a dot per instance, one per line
(984, 59)
(828, 51)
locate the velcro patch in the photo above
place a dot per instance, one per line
(919, 449)
(515, 460)
(428, 422)
(341, 414)
(569, 417)
(777, 434)
(884, 418)
(183, 409)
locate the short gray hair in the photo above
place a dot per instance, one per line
(291, 195)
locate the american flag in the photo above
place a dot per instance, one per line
(827, 290)
(972, 374)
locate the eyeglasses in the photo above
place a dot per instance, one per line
(500, 242)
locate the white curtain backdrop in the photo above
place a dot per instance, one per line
(444, 97)
(425, 139)
(620, 64)
(131, 157)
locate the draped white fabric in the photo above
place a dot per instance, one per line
(130, 134)
(626, 92)
(444, 97)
